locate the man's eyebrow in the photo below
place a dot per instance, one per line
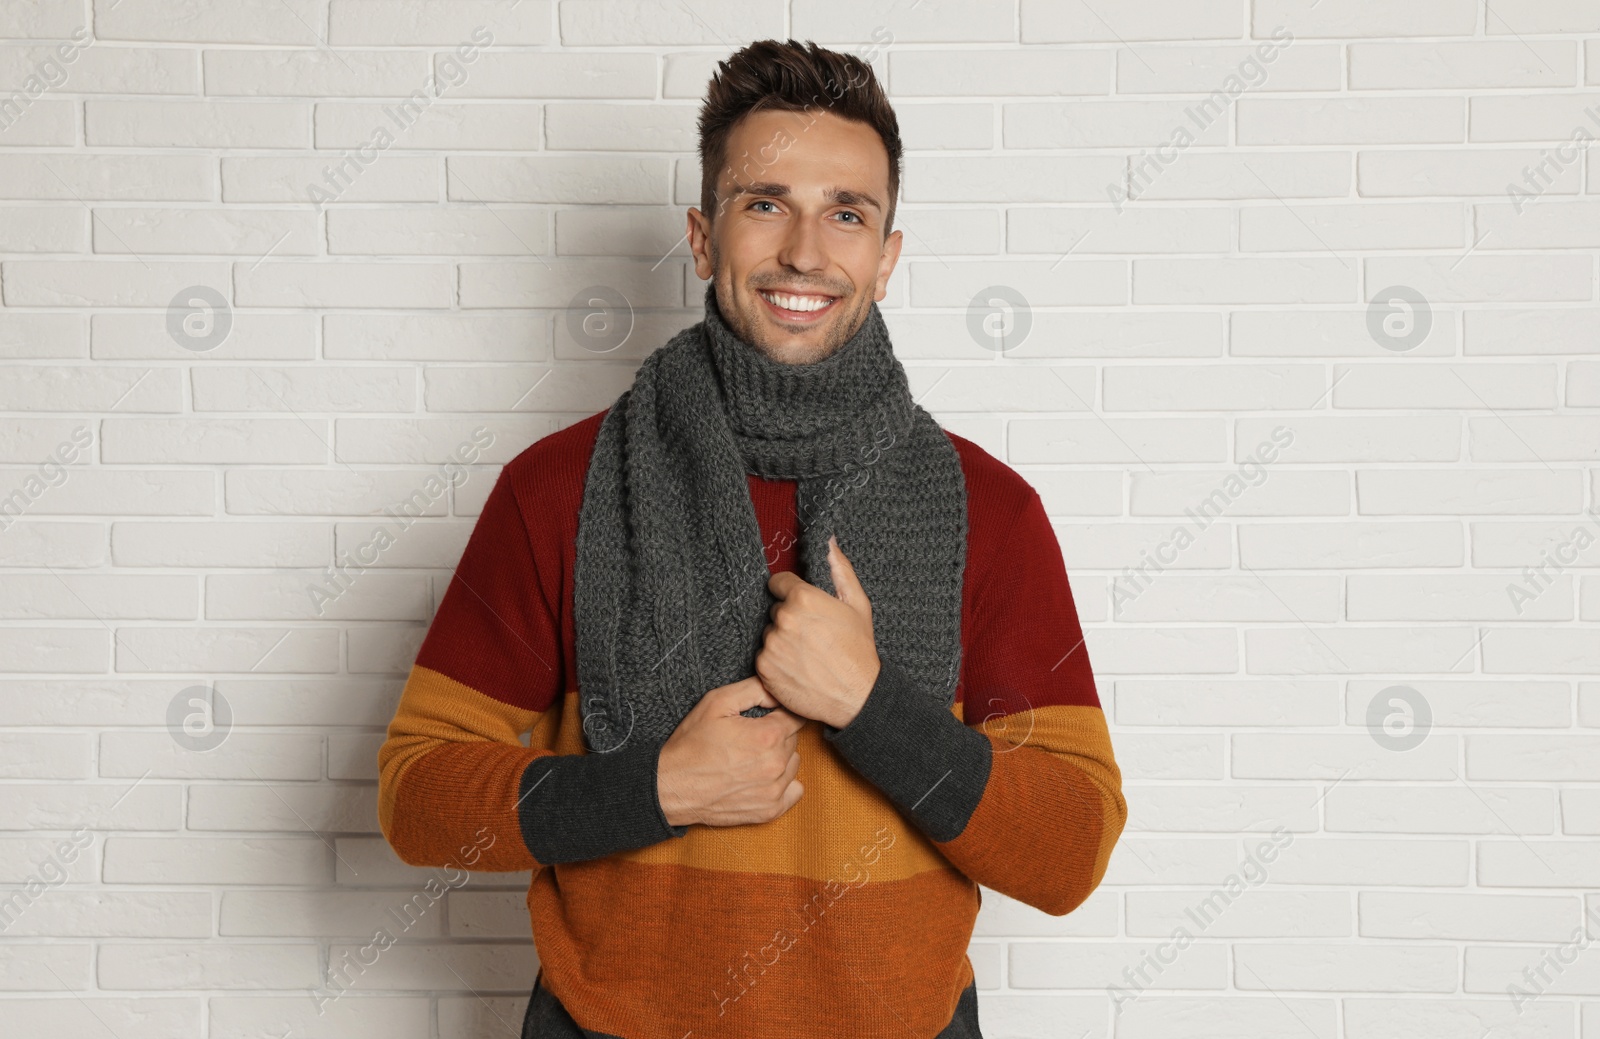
(836, 195)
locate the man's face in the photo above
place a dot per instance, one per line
(797, 250)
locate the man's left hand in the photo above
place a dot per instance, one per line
(818, 656)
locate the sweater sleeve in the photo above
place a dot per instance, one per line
(1022, 793)
(454, 771)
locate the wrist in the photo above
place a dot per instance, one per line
(859, 700)
(674, 808)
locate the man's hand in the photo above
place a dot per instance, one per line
(723, 769)
(818, 655)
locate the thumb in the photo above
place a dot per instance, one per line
(750, 692)
(847, 586)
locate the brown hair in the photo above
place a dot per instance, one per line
(791, 77)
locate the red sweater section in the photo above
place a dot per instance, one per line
(1026, 755)
(1010, 546)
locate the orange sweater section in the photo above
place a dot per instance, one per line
(840, 919)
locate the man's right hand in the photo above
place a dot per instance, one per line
(723, 769)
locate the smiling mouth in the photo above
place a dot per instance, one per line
(798, 308)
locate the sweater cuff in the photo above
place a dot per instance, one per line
(924, 759)
(576, 807)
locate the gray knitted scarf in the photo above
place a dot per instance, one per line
(670, 591)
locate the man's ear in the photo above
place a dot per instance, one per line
(700, 243)
(886, 263)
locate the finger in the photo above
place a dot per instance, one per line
(845, 581)
(785, 719)
(747, 693)
(783, 583)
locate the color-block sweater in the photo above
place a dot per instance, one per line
(847, 917)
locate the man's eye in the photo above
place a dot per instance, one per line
(763, 202)
(855, 216)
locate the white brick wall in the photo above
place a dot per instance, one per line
(1190, 299)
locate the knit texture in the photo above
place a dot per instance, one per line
(671, 584)
(847, 917)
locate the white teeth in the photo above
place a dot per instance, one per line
(795, 302)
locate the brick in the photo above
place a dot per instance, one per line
(43, 336)
(249, 21)
(106, 70)
(554, 74)
(639, 22)
(247, 756)
(442, 125)
(118, 178)
(1251, 280)
(139, 1017)
(1046, 22)
(196, 124)
(999, 73)
(1103, 124)
(73, 650)
(44, 755)
(387, 23)
(1440, 809)
(344, 284)
(119, 805)
(104, 283)
(1369, 18)
(357, 595)
(304, 650)
(1453, 65)
(287, 809)
(315, 72)
(1339, 968)
(234, 230)
(396, 178)
(212, 965)
(253, 336)
(566, 179)
(117, 914)
(1336, 227)
(1220, 74)
(215, 440)
(98, 388)
(43, 229)
(218, 860)
(1270, 121)
(1343, 545)
(227, 543)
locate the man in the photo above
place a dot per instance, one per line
(801, 669)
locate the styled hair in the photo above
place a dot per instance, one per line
(790, 77)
